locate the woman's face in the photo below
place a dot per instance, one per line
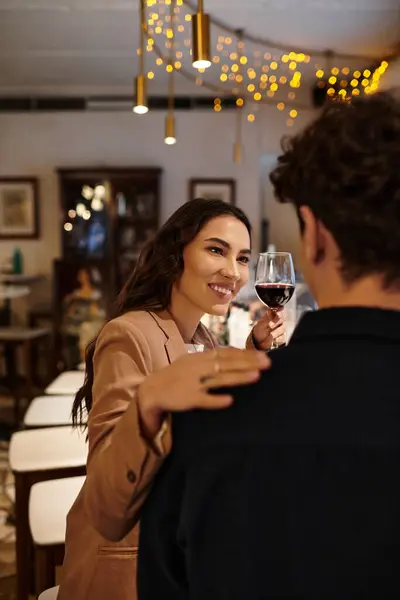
(216, 265)
(83, 277)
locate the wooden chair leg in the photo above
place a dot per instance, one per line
(23, 537)
(13, 381)
(45, 572)
(51, 370)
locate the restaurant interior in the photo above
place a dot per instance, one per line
(113, 114)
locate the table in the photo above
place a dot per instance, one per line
(13, 285)
(28, 340)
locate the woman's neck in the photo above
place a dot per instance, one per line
(186, 316)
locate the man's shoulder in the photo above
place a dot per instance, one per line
(308, 389)
(251, 408)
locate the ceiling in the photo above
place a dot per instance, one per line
(66, 47)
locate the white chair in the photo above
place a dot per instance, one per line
(46, 411)
(39, 455)
(49, 504)
(35, 450)
(50, 594)
(67, 383)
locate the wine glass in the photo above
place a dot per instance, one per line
(275, 280)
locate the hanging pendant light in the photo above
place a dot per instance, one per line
(141, 107)
(237, 152)
(169, 137)
(201, 38)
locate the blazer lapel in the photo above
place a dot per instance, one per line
(174, 344)
(175, 347)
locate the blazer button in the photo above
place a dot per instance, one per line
(131, 475)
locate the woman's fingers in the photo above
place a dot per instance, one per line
(270, 321)
(233, 359)
(231, 378)
(273, 319)
(278, 334)
(212, 401)
(209, 364)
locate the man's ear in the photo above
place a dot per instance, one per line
(313, 239)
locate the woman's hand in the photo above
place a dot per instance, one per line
(269, 329)
(186, 384)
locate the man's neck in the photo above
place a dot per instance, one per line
(367, 292)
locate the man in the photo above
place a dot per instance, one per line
(294, 491)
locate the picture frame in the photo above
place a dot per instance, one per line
(218, 189)
(19, 208)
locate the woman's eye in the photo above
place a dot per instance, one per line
(216, 250)
(244, 259)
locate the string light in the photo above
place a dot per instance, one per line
(263, 73)
(217, 105)
(238, 146)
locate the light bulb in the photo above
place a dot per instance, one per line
(80, 209)
(139, 109)
(202, 64)
(97, 204)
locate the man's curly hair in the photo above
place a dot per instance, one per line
(346, 167)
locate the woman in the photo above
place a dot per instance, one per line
(139, 370)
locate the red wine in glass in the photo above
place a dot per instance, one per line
(274, 295)
(275, 280)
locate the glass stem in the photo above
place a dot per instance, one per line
(274, 344)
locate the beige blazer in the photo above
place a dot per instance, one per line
(121, 464)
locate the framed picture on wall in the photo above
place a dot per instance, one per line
(19, 210)
(217, 189)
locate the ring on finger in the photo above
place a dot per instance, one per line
(217, 363)
(217, 368)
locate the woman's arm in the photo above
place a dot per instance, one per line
(122, 463)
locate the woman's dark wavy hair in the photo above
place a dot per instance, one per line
(346, 167)
(159, 266)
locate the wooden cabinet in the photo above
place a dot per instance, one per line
(108, 214)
